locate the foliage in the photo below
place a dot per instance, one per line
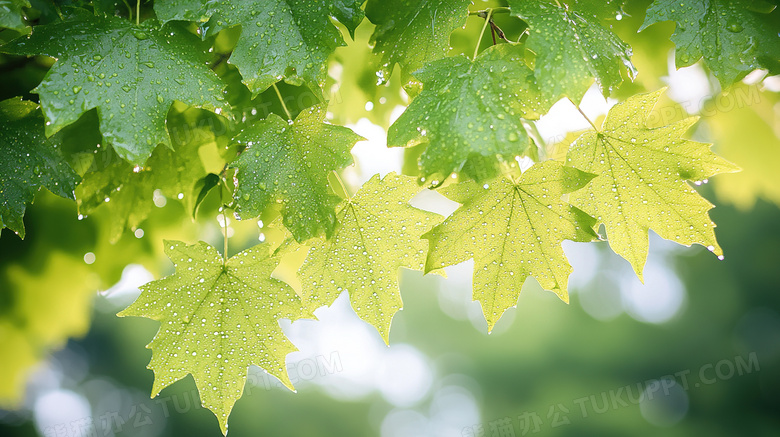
(225, 106)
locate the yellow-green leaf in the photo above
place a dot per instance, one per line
(512, 230)
(641, 182)
(378, 233)
(216, 320)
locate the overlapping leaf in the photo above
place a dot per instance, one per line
(512, 231)
(216, 320)
(378, 233)
(127, 191)
(12, 16)
(413, 32)
(132, 74)
(28, 161)
(571, 49)
(470, 108)
(280, 39)
(734, 37)
(641, 182)
(289, 163)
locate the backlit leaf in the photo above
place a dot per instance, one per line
(512, 230)
(641, 182)
(216, 320)
(378, 233)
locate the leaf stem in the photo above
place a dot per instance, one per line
(138, 12)
(223, 210)
(281, 100)
(583, 114)
(129, 10)
(482, 32)
(341, 183)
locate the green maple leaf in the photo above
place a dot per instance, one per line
(348, 13)
(289, 163)
(109, 63)
(512, 230)
(12, 16)
(413, 32)
(571, 49)
(127, 191)
(378, 233)
(641, 182)
(28, 161)
(732, 36)
(280, 39)
(470, 108)
(216, 320)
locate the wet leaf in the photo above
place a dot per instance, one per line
(132, 74)
(470, 108)
(289, 163)
(641, 182)
(733, 36)
(378, 233)
(512, 230)
(12, 16)
(572, 48)
(216, 320)
(128, 192)
(28, 161)
(413, 32)
(280, 39)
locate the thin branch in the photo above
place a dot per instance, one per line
(138, 12)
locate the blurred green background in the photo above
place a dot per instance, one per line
(693, 351)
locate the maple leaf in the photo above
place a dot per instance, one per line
(127, 191)
(280, 39)
(378, 233)
(108, 63)
(733, 36)
(217, 319)
(348, 13)
(12, 16)
(28, 161)
(470, 108)
(641, 180)
(400, 24)
(289, 163)
(571, 49)
(512, 230)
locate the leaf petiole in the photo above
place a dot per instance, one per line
(583, 114)
(482, 32)
(281, 100)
